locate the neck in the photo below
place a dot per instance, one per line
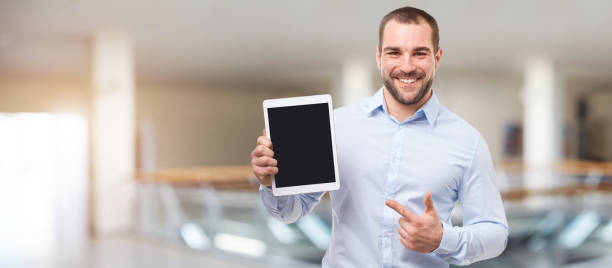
(400, 111)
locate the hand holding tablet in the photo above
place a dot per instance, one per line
(302, 153)
(262, 161)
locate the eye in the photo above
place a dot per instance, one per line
(420, 54)
(393, 53)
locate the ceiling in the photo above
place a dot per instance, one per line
(295, 41)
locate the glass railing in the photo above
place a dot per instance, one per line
(552, 230)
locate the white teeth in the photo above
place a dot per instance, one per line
(407, 81)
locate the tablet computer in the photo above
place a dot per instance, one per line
(303, 140)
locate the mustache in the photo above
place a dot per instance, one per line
(411, 74)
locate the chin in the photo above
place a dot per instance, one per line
(409, 93)
(409, 100)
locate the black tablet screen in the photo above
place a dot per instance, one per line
(301, 140)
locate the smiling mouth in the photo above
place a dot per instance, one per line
(408, 81)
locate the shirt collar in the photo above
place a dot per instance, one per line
(430, 108)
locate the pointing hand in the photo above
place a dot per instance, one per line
(419, 233)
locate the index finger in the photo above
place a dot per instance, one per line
(401, 209)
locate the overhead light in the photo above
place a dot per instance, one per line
(315, 230)
(240, 244)
(194, 236)
(282, 232)
(579, 229)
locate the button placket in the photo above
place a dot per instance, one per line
(391, 182)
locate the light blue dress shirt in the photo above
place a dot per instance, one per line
(380, 158)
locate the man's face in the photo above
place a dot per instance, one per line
(407, 61)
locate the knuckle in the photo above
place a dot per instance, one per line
(265, 161)
(257, 161)
(256, 171)
(256, 151)
(260, 148)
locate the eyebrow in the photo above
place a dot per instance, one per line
(391, 49)
(422, 49)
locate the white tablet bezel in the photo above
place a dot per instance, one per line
(316, 99)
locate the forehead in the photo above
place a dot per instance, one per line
(407, 35)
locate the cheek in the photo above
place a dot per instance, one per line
(428, 69)
(388, 67)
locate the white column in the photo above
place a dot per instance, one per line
(355, 83)
(113, 132)
(542, 124)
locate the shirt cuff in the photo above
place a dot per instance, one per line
(276, 203)
(267, 196)
(265, 188)
(450, 239)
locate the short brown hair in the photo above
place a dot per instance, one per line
(410, 15)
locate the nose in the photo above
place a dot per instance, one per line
(407, 64)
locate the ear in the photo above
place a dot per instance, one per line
(438, 57)
(378, 57)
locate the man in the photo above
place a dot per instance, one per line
(404, 161)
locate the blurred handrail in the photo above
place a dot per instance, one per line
(569, 190)
(239, 177)
(236, 176)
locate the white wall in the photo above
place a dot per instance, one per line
(488, 101)
(195, 125)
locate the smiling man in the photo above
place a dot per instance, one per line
(405, 161)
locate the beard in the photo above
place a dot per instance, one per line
(388, 82)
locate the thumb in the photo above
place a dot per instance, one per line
(263, 132)
(429, 205)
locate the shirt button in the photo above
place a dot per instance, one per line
(388, 234)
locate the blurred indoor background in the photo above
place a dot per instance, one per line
(126, 126)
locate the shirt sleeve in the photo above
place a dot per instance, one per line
(289, 208)
(484, 234)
